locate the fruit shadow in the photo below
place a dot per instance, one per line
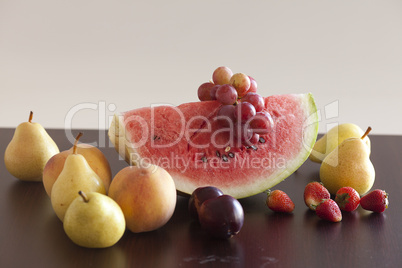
(26, 202)
(373, 218)
(149, 249)
(158, 248)
(69, 254)
(193, 246)
(318, 229)
(211, 250)
(30, 215)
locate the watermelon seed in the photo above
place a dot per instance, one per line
(254, 147)
(204, 159)
(218, 154)
(262, 140)
(231, 155)
(224, 158)
(227, 149)
(157, 137)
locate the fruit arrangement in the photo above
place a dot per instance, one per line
(78, 181)
(213, 145)
(241, 143)
(347, 199)
(317, 198)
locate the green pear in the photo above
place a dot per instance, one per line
(94, 220)
(333, 138)
(29, 150)
(349, 165)
(75, 176)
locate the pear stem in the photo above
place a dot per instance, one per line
(30, 117)
(84, 196)
(76, 142)
(366, 133)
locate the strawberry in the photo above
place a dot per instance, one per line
(314, 192)
(347, 198)
(279, 201)
(376, 201)
(329, 210)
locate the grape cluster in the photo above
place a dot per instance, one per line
(242, 109)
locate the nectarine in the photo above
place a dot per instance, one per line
(147, 196)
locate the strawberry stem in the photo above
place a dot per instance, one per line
(343, 198)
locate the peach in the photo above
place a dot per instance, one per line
(95, 158)
(147, 196)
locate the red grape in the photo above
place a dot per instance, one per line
(226, 94)
(241, 134)
(241, 83)
(212, 93)
(244, 111)
(204, 91)
(222, 216)
(222, 75)
(256, 100)
(253, 85)
(261, 123)
(225, 116)
(254, 139)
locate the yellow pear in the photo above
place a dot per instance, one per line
(349, 165)
(94, 220)
(29, 150)
(95, 158)
(333, 138)
(76, 176)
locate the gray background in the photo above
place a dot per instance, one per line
(76, 63)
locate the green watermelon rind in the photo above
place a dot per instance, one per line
(121, 140)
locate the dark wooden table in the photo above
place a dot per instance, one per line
(32, 236)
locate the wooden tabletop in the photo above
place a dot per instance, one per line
(32, 236)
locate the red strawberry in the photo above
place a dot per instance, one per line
(329, 210)
(279, 201)
(314, 193)
(347, 198)
(376, 201)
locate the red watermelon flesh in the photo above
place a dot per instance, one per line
(193, 147)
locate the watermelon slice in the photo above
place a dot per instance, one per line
(190, 144)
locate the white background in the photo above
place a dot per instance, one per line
(77, 62)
